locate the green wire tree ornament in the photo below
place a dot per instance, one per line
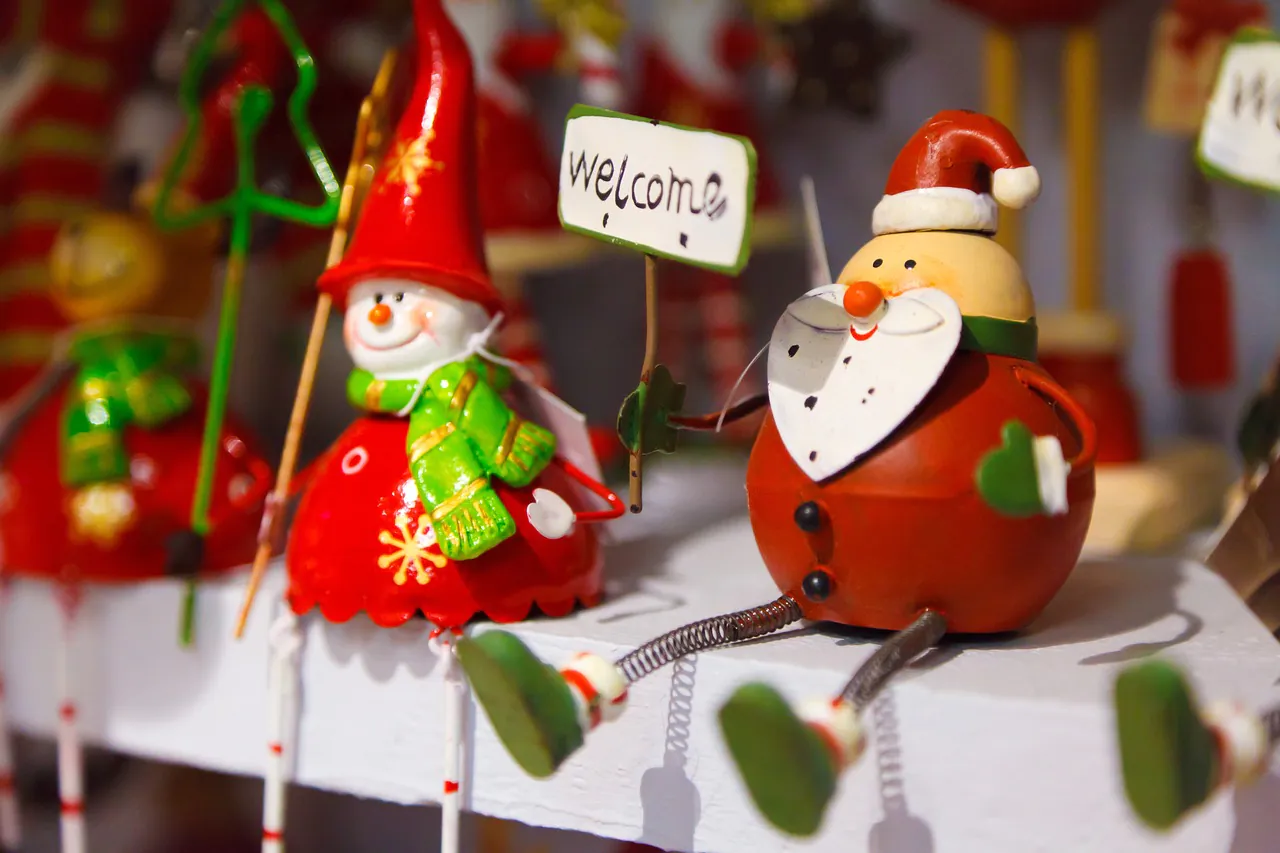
(250, 113)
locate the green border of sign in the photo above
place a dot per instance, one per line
(1248, 35)
(583, 111)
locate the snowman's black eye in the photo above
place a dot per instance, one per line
(879, 263)
(910, 265)
(399, 297)
(377, 298)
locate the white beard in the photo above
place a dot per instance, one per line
(835, 398)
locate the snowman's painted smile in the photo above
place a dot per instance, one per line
(863, 336)
(383, 339)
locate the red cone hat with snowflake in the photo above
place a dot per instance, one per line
(421, 218)
(952, 175)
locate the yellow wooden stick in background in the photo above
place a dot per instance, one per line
(1083, 130)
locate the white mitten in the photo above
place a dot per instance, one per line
(550, 515)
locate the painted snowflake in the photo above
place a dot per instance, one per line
(411, 548)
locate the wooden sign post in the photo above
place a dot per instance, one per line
(1240, 138)
(671, 192)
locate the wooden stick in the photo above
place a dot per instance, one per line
(646, 373)
(1081, 68)
(359, 172)
(1002, 96)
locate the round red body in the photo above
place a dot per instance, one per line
(35, 533)
(905, 529)
(1021, 13)
(361, 541)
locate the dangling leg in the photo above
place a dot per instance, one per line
(543, 716)
(10, 817)
(791, 762)
(455, 699)
(1173, 755)
(285, 639)
(70, 753)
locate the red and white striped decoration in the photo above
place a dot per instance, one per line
(599, 690)
(1242, 740)
(10, 816)
(456, 693)
(601, 80)
(285, 639)
(840, 727)
(70, 750)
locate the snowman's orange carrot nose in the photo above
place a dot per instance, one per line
(862, 299)
(380, 315)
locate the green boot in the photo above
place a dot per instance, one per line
(1168, 755)
(789, 769)
(531, 707)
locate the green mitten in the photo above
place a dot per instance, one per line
(644, 423)
(1006, 477)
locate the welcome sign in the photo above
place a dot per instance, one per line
(1240, 139)
(668, 191)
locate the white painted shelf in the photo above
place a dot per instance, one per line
(988, 747)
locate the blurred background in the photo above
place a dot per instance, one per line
(834, 100)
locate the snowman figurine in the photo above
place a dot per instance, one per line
(452, 502)
(917, 473)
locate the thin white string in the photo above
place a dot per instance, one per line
(475, 346)
(729, 402)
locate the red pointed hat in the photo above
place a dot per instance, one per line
(951, 175)
(421, 217)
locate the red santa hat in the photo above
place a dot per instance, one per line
(951, 175)
(421, 218)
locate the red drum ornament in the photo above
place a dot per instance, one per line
(35, 527)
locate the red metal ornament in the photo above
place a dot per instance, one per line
(1017, 14)
(908, 529)
(34, 523)
(378, 561)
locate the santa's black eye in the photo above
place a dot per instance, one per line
(399, 297)
(879, 263)
(378, 297)
(910, 265)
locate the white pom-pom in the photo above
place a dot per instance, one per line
(599, 689)
(1016, 188)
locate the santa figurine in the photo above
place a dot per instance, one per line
(694, 66)
(917, 473)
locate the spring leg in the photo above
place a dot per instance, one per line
(791, 759)
(542, 716)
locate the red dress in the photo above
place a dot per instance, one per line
(361, 543)
(908, 530)
(35, 537)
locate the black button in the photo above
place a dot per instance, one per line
(809, 517)
(817, 586)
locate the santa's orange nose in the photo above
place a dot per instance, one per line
(862, 298)
(380, 315)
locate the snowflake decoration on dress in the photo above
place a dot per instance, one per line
(411, 549)
(412, 157)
